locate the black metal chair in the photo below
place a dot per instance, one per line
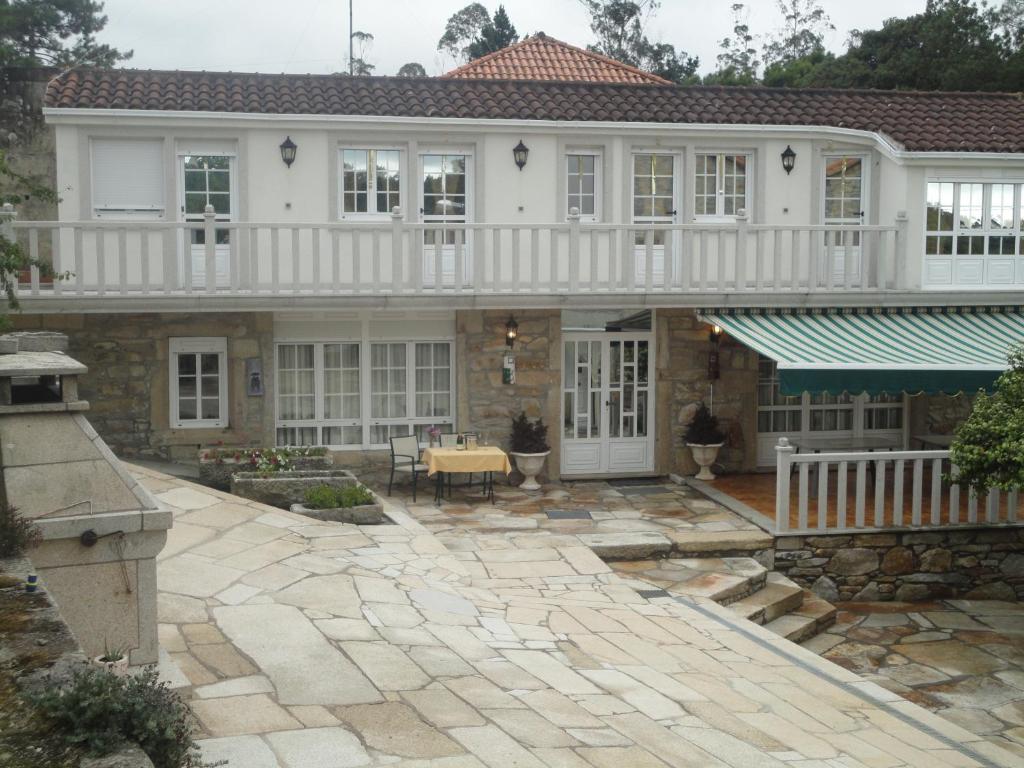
(405, 458)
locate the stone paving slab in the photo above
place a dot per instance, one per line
(554, 661)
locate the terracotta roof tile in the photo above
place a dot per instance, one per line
(974, 122)
(544, 58)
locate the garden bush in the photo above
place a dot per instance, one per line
(330, 497)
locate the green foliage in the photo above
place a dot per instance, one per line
(59, 33)
(330, 497)
(263, 459)
(496, 34)
(17, 534)
(529, 436)
(412, 69)
(802, 33)
(738, 61)
(462, 28)
(619, 26)
(358, 65)
(988, 449)
(703, 428)
(101, 711)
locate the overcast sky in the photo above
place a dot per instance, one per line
(311, 35)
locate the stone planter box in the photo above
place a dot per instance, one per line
(216, 473)
(365, 514)
(282, 489)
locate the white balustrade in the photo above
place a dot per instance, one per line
(400, 258)
(878, 491)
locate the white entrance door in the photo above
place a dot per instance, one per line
(607, 403)
(206, 180)
(845, 190)
(445, 200)
(655, 194)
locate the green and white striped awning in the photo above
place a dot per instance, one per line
(909, 351)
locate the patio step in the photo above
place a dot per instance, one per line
(778, 597)
(807, 621)
(722, 579)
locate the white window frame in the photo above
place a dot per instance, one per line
(128, 212)
(865, 189)
(197, 345)
(748, 178)
(366, 421)
(1014, 260)
(598, 156)
(371, 214)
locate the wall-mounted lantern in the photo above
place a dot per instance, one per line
(288, 150)
(788, 159)
(714, 336)
(511, 331)
(519, 154)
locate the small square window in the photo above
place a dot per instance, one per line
(198, 382)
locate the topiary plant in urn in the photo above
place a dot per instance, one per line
(704, 438)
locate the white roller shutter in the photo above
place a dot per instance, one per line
(127, 177)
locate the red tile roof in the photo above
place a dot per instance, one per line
(965, 122)
(544, 58)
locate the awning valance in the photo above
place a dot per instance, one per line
(874, 352)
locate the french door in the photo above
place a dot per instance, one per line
(655, 201)
(206, 180)
(607, 403)
(845, 189)
(445, 200)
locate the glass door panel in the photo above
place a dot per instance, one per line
(445, 200)
(654, 202)
(844, 192)
(206, 180)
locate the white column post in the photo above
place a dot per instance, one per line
(574, 249)
(742, 223)
(210, 248)
(397, 250)
(7, 217)
(901, 266)
(783, 466)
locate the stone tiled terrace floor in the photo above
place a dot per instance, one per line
(321, 645)
(963, 659)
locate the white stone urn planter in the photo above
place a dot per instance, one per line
(705, 456)
(530, 464)
(118, 667)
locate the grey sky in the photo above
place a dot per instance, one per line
(311, 35)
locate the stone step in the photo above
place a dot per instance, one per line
(778, 597)
(722, 579)
(719, 543)
(813, 616)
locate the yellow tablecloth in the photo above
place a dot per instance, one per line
(487, 458)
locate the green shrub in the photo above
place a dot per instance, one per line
(100, 712)
(703, 428)
(329, 497)
(17, 533)
(529, 436)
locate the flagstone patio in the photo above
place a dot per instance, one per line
(324, 645)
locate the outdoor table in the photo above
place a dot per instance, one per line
(485, 460)
(831, 444)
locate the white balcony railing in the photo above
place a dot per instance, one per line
(399, 258)
(879, 491)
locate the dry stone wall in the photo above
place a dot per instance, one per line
(976, 563)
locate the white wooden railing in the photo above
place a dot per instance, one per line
(878, 491)
(151, 258)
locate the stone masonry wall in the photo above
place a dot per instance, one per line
(486, 405)
(682, 383)
(127, 384)
(978, 564)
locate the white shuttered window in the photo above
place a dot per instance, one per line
(127, 178)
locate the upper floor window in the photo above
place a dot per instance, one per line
(127, 178)
(370, 181)
(973, 219)
(583, 172)
(720, 185)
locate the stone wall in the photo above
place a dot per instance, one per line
(486, 405)
(127, 383)
(978, 563)
(682, 383)
(28, 141)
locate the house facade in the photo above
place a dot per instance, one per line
(320, 260)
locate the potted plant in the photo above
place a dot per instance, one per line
(114, 660)
(704, 438)
(529, 448)
(354, 504)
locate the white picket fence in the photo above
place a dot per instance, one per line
(397, 257)
(878, 491)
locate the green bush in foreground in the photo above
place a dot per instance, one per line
(329, 497)
(101, 711)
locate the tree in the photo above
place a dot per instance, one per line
(988, 449)
(498, 33)
(802, 33)
(463, 28)
(59, 33)
(358, 65)
(619, 26)
(412, 69)
(738, 62)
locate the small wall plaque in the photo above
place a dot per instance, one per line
(254, 376)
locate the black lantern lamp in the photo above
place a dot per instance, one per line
(511, 331)
(715, 334)
(288, 150)
(788, 159)
(519, 153)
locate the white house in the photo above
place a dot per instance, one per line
(298, 259)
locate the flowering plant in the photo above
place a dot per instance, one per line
(264, 459)
(434, 431)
